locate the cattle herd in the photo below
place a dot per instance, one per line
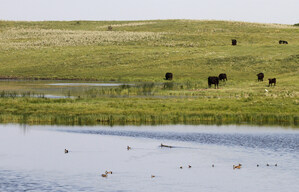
(234, 42)
(222, 77)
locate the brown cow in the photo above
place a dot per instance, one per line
(283, 42)
(260, 77)
(168, 76)
(272, 81)
(222, 76)
(234, 42)
(213, 80)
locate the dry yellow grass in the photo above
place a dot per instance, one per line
(21, 38)
(127, 25)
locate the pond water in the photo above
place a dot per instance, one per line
(53, 89)
(87, 84)
(32, 158)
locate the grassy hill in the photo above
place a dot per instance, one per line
(143, 51)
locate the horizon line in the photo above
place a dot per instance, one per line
(66, 20)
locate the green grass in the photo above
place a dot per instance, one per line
(143, 51)
(150, 110)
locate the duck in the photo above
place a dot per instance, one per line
(257, 165)
(66, 151)
(152, 176)
(108, 172)
(104, 175)
(162, 145)
(237, 166)
(276, 165)
(189, 166)
(181, 167)
(268, 165)
(128, 148)
(213, 165)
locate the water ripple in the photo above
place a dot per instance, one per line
(274, 141)
(24, 182)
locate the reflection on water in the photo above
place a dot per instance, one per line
(87, 84)
(51, 88)
(33, 159)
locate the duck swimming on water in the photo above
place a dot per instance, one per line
(104, 175)
(237, 166)
(162, 145)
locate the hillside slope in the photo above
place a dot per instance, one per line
(145, 50)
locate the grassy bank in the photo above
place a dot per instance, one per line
(140, 53)
(107, 110)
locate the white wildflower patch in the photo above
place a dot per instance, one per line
(20, 38)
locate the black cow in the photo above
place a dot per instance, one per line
(283, 42)
(260, 77)
(222, 76)
(168, 76)
(272, 81)
(234, 42)
(213, 80)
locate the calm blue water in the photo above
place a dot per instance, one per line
(32, 158)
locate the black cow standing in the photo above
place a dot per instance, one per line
(234, 42)
(283, 42)
(272, 81)
(222, 76)
(260, 77)
(213, 80)
(168, 76)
